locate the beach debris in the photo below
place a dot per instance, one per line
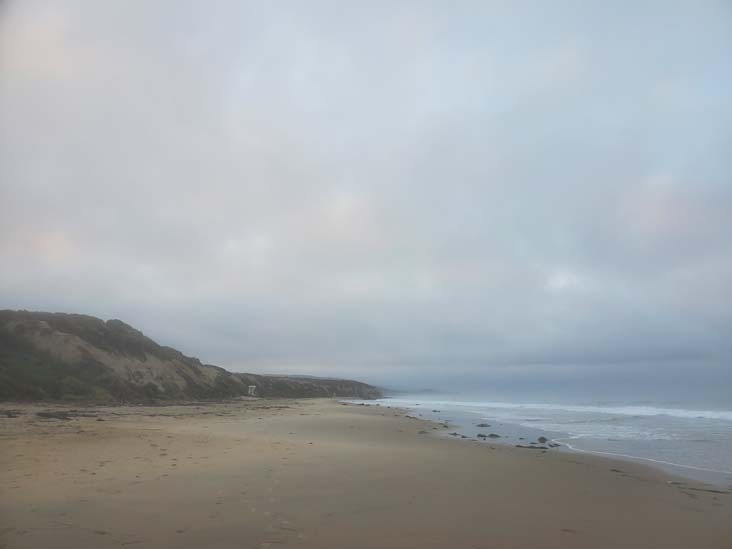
(532, 447)
(65, 414)
(54, 415)
(423, 432)
(710, 490)
(436, 411)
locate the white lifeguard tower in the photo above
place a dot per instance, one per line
(252, 390)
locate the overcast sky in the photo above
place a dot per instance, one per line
(393, 191)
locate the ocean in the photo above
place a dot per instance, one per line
(696, 444)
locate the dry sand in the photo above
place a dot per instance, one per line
(317, 474)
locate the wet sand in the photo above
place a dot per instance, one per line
(317, 474)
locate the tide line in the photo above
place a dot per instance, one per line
(568, 445)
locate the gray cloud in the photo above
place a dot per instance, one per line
(393, 190)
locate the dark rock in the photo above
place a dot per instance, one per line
(494, 435)
(483, 425)
(542, 439)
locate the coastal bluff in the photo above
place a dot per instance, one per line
(74, 357)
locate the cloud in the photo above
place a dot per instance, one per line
(391, 191)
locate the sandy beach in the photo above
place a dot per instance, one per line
(319, 474)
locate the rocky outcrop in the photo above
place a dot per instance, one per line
(58, 356)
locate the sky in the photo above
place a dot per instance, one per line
(431, 193)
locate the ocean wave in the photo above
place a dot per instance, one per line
(609, 432)
(725, 415)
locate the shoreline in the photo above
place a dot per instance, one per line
(657, 464)
(317, 473)
(510, 436)
(563, 449)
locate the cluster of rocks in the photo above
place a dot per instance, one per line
(542, 442)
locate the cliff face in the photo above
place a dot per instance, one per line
(57, 356)
(299, 387)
